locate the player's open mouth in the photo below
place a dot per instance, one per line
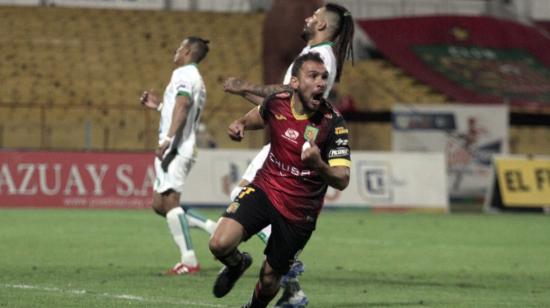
(316, 98)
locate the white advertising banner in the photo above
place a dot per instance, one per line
(125, 180)
(396, 180)
(217, 5)
(20, 2)
(469, 135)
(378, 180)
(113, 4)
(181, 5)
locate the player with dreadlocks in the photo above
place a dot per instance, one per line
(328, 32)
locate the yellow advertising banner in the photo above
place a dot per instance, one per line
(524, 182)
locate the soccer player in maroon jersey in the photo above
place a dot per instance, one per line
(309, 152)
(328, 32)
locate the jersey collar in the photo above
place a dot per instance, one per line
(322, 43)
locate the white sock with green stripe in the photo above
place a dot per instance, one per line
(195, 219)
(179, 227)
(264, 234)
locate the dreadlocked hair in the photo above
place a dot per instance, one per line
(343, 36)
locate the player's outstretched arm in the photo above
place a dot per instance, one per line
(335, 176)
(250, 121)
(253, 93)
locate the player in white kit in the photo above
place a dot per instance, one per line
(330, 29)
(180, 109)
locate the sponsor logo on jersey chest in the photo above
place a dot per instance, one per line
(291, 135)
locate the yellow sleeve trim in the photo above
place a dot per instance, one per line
(339, 162)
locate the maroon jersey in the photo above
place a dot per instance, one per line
(296, 191)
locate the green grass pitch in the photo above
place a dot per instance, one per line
(112, 258)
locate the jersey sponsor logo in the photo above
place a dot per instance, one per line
(232, 208)
(284, 168)
(338, 152)
(183, 88)
(340, 130)
(280, 117)
(341, 142)
(291, 135)
(311, 133)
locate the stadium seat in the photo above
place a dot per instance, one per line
(376, 85)
(87, 64)
(530, 140)
(21, 128)
(86, 59)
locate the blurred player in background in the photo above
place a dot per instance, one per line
(181, 109)
(282, 28)
(328, 32)
(289, 189)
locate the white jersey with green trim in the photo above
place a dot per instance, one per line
(185, 80)
(327, 54)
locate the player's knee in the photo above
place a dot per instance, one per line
(223, 242)
(219, 246)
(158, 208)
(228, 235)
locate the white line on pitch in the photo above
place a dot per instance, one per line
(107, 295)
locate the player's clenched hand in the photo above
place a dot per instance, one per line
(234, 85)
(311, 156)
(161, 149)
(149, 99)
(236, 131)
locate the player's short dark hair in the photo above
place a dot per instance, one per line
(199, 48)
(298, 62)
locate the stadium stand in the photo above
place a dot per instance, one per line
(370, 136)
(20, 127)
(376, 85)
(71, 78)
(530, 140)
(88, 60)
(85, 61)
